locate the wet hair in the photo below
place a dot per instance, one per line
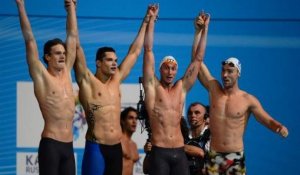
(206, 115)
(49, 44)
(101, 52)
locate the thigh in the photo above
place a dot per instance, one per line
(92, 162)
(48, 157)
(113, 159)
(179, 163)
(238, 167)
(158, 162)
(67, 165)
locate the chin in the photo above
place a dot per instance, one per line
(60, 67)
(228, 86)
(169, 81)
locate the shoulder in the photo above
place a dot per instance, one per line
(133, 144)
(178, 84)
(117, 76)
(250, 99)
(246, 95)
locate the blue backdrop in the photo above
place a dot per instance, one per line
(264, 35)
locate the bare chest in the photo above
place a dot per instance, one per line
(54, 89)
(109, 92)
(229, 107)
(171, 99)
(129, 150)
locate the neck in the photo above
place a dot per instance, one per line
(55, 72)
(196, 131)
(231, 90)
(102, 77)
(166, 85)
(127, 134)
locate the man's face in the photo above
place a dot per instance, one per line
(168, 72)
(229, 75)
(130, 122)
(196, 116)
(57, 57)
(108, 65)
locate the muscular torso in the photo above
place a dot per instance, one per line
(228, 118)
(57, 104)
(130, 155)
(164, 108)
(102, 104)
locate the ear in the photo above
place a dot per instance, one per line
(122, 123)
(47, 57)
(98, 63)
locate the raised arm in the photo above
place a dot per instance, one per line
(32, 56)
(199, 25)
(81, 70)
(198, 50)
(148, 62)
(263, 117)
(72, 32)
(134, 49)
(204, 76)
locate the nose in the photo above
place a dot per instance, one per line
(225, 74)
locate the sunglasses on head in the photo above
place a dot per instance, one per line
(229, 63)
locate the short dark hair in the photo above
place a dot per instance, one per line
(125, 112)
(206, 115)
(101, 52)
(49, 44)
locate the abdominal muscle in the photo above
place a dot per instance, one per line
(58, 114)
(226, 134)
(105, 128)
(166, 130)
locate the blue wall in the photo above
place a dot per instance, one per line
(264, 35)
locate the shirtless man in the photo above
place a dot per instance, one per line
(230, 108)
(100, 97)
(164, 102)
(54, 92)
(129, 147)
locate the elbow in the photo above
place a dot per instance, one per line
(78, 47)
(73, 34)
(147, 48)
(135, 50)
(28, 36)
(199, 57)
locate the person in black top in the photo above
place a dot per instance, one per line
(197, 143)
